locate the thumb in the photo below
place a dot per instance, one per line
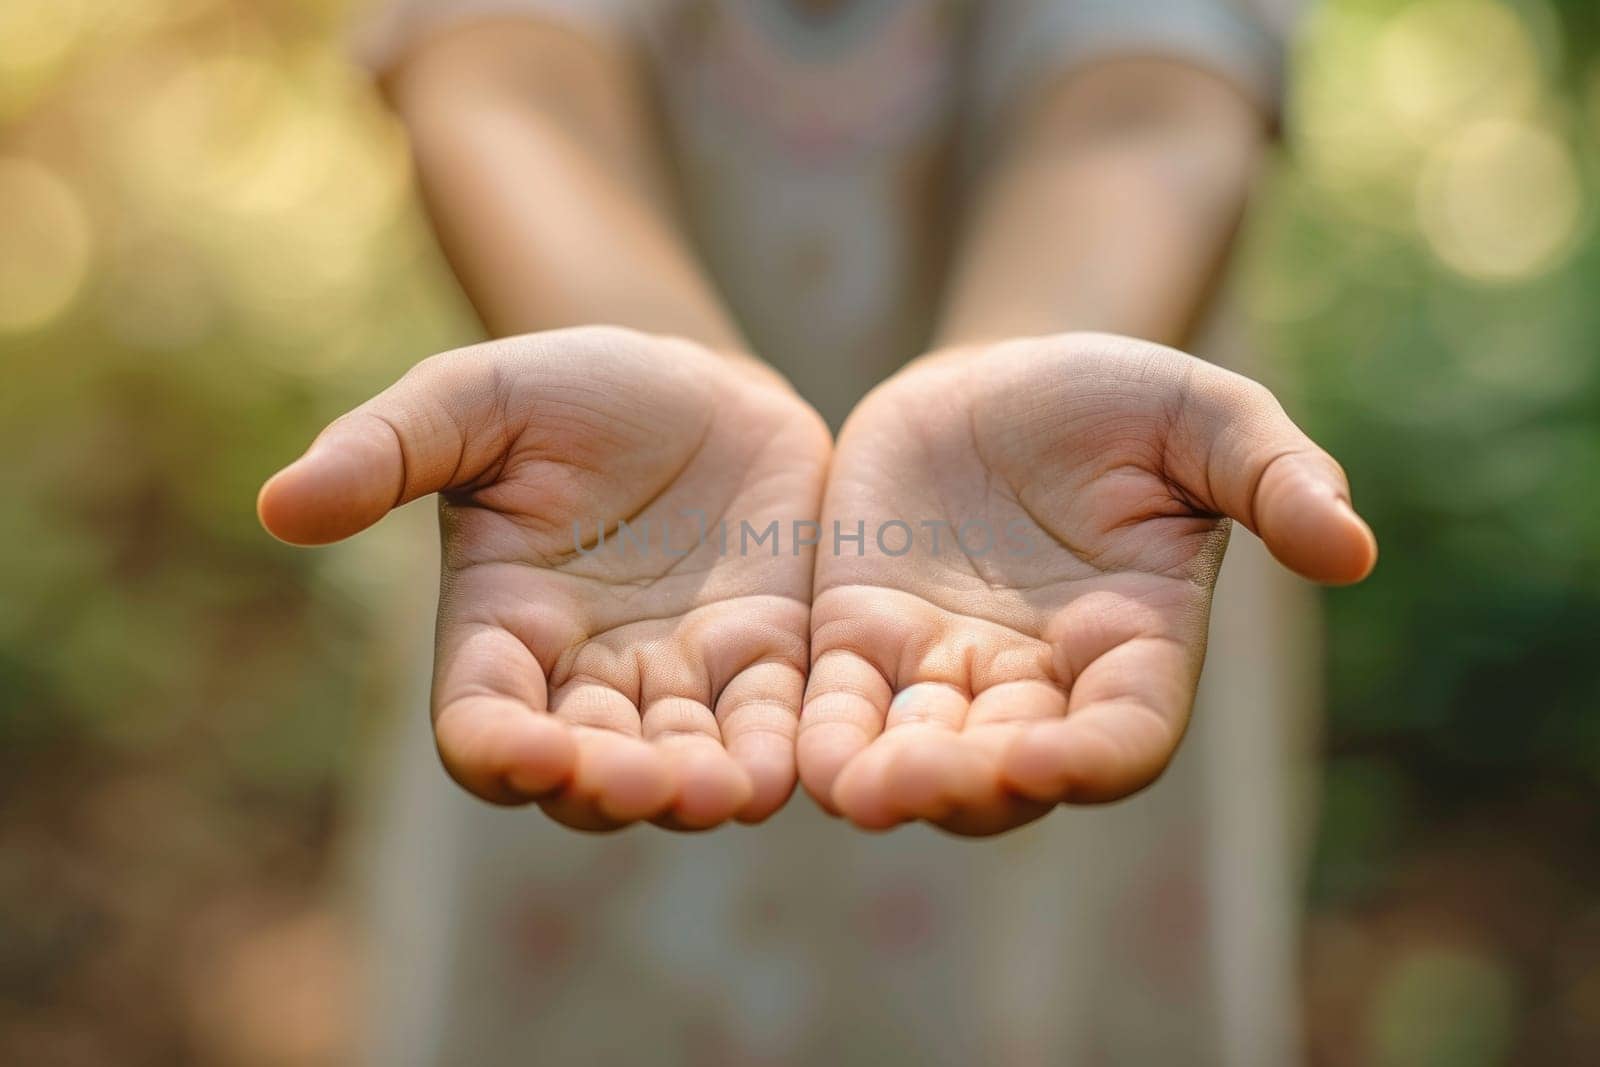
(439, 427)
(1242, 456)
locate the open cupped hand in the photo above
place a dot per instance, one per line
(1039, 637)
(613, 683)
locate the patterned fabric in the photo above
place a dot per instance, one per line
(821, 154)
(822, 157)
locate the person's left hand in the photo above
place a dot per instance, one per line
(1065, 500)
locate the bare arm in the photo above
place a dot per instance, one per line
(565, 675)
(1109, 205)
(544, 178)
(978, 692)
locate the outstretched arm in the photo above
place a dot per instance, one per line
(1109, 205)
(546, 182)
(608, 680)
(1047, 648)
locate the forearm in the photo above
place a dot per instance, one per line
(1109, 206)
(544, 181)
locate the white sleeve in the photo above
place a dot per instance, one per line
(1022, 42)
(387, 28)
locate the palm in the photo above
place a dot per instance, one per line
(1070, 583)
(671, 671)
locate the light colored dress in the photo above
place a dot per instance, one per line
(816, 143)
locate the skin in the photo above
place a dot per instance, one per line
(1052, 655)
(617, 683)
(977, 694)
(663, 690)
(973, 692)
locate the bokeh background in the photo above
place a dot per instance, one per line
(209, 243)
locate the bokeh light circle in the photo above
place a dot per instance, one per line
(1502, 202)
(1442, 63)
(47, 238)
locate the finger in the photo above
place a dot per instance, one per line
(957, 784)
(588, 703)
(1126, 714)
(917, 771)
(1103, 752)
(996, 717)
(758, 712)
(1241, 455)
(710, 786)
(928, 771)
(918, 768)
(846, 701)
(439, 427)
(928, 702)
(619, 779)
(1005, 708)
(860, 790)
(493, 732)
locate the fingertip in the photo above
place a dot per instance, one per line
(769, 762)
(1075, 760)
(711, 787)
(339, 487)
(1304, 515)
(822, 751)
(1320, 537)
(305, 504)
(274, 506)
(539, 757)
(500, 750)
(916, 779)
(629, 778)
(859, 795)
(1361, 553)
(1038, 763)
(934, 773)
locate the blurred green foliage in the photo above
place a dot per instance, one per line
(1429, 265)
(210, 247)
(1426, 263)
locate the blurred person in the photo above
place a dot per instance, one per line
(783, 203)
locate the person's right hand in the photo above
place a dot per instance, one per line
(608, 685)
